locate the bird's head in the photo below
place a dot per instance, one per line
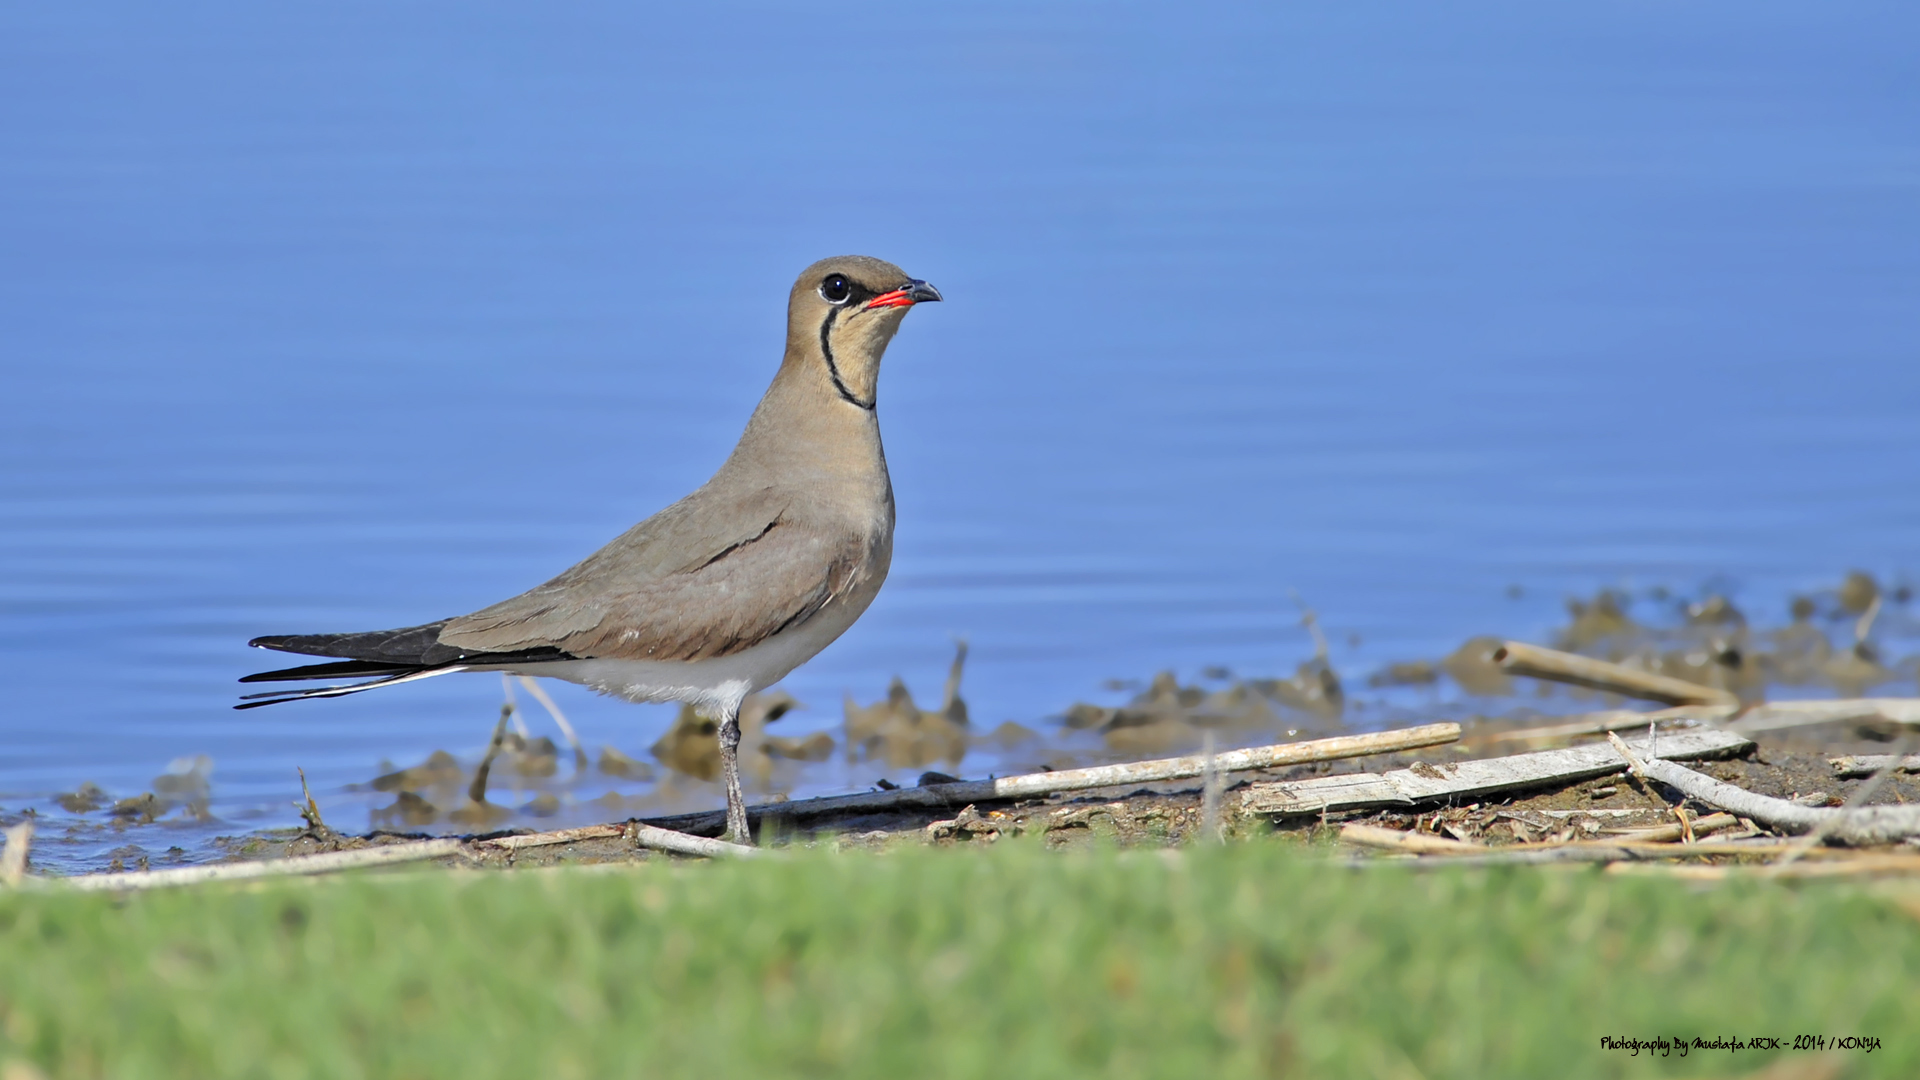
(841, 315)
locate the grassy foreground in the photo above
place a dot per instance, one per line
(1242, 961)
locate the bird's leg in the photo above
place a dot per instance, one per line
(730, 768)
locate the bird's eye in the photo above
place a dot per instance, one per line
(836, 289)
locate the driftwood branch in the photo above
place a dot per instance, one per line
(1373, 836)
(1519, 658)
(1712, 823)
(1454, 780)
(943, 796)
(413, 851)
(1853, 767)
(645, 836)
(1599, 723)
(1792, 714)
(1862, 826)
(1750, 720)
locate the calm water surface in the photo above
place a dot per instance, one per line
(358, 316)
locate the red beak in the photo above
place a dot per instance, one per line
(913, 292)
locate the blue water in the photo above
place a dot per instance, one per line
(358, 315)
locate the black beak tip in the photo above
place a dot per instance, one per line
(921, 293)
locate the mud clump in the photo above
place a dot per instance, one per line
(83, 800)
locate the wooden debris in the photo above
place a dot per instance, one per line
(1712, 823)
(1751, 720)
(1519, 658)
(645, 836)
(1863, 826)
(557, 836)
(941, 796)
(1374, 836)
(13, 858)
(1790, 714)
(386, 855)
(1428, 783)
(1599, 723)
(1854, 767)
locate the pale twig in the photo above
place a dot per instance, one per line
(1374, 836)
(413, 851)
(1862, 826)
(540, 694)
(941, 796)
(1686, 832)
(1454, 780)
(1859, 797)
(645, 836)
(1791, 714)
(1608, 720)
(1853, 767)
(1864, 625)
(1756, 718)
(557, 836)
(1519, 658)
(13, 859)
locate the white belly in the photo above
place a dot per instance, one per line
(712, 686)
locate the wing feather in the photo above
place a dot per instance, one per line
(686, 584)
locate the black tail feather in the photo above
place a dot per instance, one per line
(275, 697)
(344, 669)
(385, 656)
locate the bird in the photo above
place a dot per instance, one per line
(722, 593)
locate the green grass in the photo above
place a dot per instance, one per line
(1243, 961)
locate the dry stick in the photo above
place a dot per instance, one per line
(1599, 723)
(1712, 823)
(1853, 767)
(13, 860)
(1645, 842)
(1374, 836)
(1863, 826)
(1859, 797)
(477, 791)
(1791, 714)
(1864, 625)
(560, 718)
(645, 836)
(1456, 780)
(1757, 718)
(941, 796)
(1519, 658)
(413, 851)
